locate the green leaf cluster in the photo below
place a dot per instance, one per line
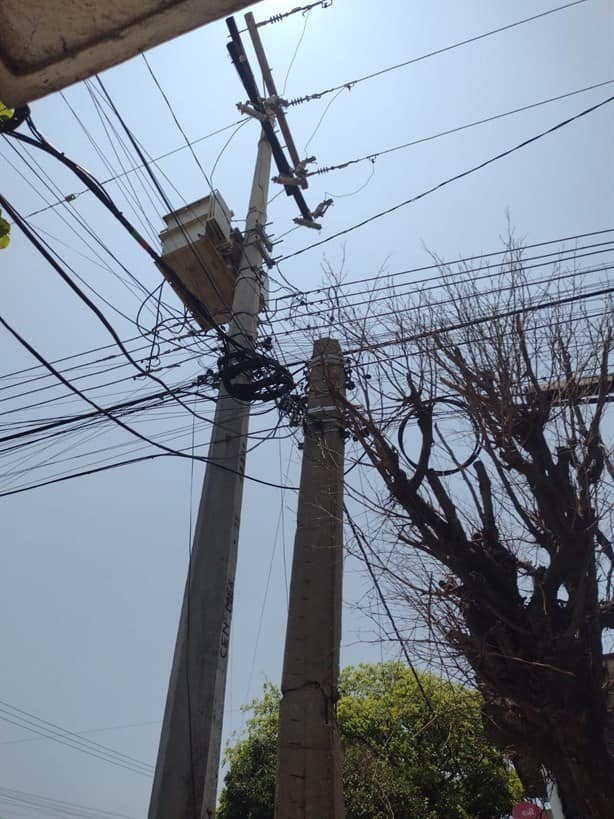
(412, 748)
(5, 112)
(5, 229)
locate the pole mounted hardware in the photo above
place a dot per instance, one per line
(298, 175)
(322, 208)
(250, 376)
(292, 177)
(315, 214)
(251, 112)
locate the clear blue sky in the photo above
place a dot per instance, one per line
(93, 569)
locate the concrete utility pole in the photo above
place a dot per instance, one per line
(556, 808)
(309, 782)
(185, 782)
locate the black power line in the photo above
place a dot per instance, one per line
(117, 421)
(451, 179)
(375, 155)
(265, 378)
(49, 730)
(352, 83)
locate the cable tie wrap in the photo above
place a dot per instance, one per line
(251, 376)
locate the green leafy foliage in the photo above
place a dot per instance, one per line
(5, 229)
(405, 755)
(5, 113)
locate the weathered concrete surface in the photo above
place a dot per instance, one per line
(46, 45)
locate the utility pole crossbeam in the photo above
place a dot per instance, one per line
(241, 63)
(272, 89)
(309, 782)
(185, 782)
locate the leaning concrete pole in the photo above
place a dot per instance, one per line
(309, 759)
(185, 781)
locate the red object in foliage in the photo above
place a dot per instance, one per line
(527, 810)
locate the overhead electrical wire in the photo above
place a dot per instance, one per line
(448, 263)
(307, 296)
(451, 179)
(367, 157)
(329, 310)
(189, 144)
(71, 197)
(109, 452)
(64, 427)
(575, 297)
(58, 267)
(84, 371)
(371, 157)
(106, 728)
(35, 431)
(578, 115)
(267, 377)
(87, 416)
(93, 470)
(387, 279)
(246, 374)
(40, 174)
(55, 807)
(352, 83)
(56, 733)
(130, 194)
(117, 421)
(544, 305)
(147, 167)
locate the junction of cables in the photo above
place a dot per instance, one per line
(246, 374)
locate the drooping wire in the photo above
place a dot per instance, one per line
(267, 378)
(296, 50)
(320, 121)
(452, 179)
(177, 123)
(117, 421)
(71, 197)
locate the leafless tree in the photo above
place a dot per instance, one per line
(479, 415)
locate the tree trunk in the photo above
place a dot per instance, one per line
(586, 782)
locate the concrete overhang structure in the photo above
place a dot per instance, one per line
(46, 45)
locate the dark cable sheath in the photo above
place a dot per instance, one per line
(450, 179)
(86, 416)
(195, 304)
(239, 59)
(126, 427)
(253, 363)
(349, 85)
(377, 154)
(89, 303)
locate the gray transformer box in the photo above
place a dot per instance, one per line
(204, 251)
